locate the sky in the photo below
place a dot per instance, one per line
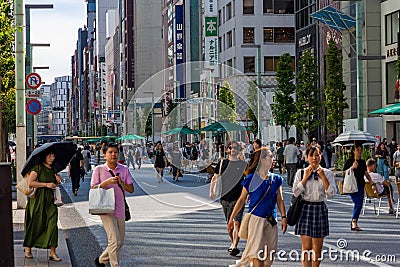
(59, 28)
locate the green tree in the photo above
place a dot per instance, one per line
(284, 108)
(308, 104)
(7, 76)
(252, 109)
(335, 100)
(226, 109)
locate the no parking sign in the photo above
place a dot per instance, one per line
(33, 107)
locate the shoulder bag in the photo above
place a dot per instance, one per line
(296, 206)
(244, 225)
(217, 190)
(23, 185)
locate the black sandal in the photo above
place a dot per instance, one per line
(358, 229)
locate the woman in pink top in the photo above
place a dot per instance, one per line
(108, 176)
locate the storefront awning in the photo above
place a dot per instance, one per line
(334, 18)
(389, 110)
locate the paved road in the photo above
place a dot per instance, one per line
(175, 224)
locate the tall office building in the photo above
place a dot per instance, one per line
(59, 103)
(244, 26)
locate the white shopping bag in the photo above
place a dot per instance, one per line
(101, 201)
(350, 182)
(57, 197)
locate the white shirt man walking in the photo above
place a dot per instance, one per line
(290, 160)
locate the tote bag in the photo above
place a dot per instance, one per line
(101, 201)
(350, 182)
(217, 190)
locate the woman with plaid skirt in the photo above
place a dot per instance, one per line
(316, 184)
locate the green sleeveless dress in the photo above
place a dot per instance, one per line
(41, 213)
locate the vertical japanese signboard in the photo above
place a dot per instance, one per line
(179, 50)
(211, 36)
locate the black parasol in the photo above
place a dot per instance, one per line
(64, 151)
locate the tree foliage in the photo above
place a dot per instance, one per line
(334, 93)
(252, 109)
(226, 109)
(7, 76)
(308, 104)
(284, 108)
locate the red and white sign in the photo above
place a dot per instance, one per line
(33, 80)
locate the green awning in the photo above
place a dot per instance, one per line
(223, 126)
(389, 110)
(181, 130)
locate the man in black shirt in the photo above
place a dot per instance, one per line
(232, 176)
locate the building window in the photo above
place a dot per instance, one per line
(249, 65)
(248, 35)
(229, 71)
(391, 78)
(248, 7)
(392, 28)
(229, 11)
(278, 6)
(229, 39)
(284, 35)
(268, 35)
(219, 18)
(219, 44)
(271, 63)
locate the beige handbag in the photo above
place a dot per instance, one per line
(244, 225)
(24, 188)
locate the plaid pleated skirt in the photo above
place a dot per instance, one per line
(313, 220)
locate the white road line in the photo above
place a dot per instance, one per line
(200, 201)
(148, 184)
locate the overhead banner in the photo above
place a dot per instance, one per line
(179, 51)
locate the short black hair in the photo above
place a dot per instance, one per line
(108, 145)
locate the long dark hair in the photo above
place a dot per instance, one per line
(253, 165)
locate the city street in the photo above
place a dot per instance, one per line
(175, 224)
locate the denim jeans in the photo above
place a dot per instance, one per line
(357, 199)
(383, 169)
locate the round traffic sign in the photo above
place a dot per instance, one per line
(33, 80)
(33, 107)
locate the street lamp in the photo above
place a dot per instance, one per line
(152, 113)
(258, 85)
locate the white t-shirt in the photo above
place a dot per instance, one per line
(377, 179)
(291, 151)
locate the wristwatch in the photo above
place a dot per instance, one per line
(284, 216)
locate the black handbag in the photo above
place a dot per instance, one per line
(296, 207)
(127, 212)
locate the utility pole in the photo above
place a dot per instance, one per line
(360, 95)
(20, 96)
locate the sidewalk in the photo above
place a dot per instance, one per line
(40, 256)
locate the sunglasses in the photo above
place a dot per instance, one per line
(234, 147)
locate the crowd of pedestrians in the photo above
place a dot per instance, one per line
(247, 174)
